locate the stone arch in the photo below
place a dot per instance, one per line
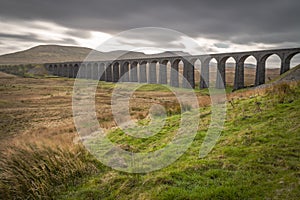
(273, 63)
(229, 70)
(152, 75)
(290, 59)
(116, 72)
(290, 56)
(222, 66)
(267, 55)
(133, 72)
(174, 80)
(250, 69)
(261, 67)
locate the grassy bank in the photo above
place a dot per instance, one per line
(257, 157)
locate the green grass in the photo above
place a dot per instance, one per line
(256, 157)
(153, 87)
(19, 70)
(160, 88)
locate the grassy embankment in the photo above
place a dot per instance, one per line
(256, 157)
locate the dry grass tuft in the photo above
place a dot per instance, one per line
(283, 91)
(35, 170)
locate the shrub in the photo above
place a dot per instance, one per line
(283, 92)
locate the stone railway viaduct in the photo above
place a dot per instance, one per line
(135, 70)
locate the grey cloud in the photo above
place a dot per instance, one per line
(34, 38)
(170, 45)
(268, 38)
(79, 33)
(243, 22)
(152, 34)
(152, 37)
(29, 37)
(221, 45)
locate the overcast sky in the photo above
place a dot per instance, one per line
(219, 26)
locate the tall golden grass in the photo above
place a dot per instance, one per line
(37, 170)
(283, 91)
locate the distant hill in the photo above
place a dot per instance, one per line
(291, 75)
(44, 54)
(232, 65)
(56, 53)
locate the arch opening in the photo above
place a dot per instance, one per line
(230, 65)
(250, 65)
(197, 70)
(212, 72)
(273, 65)
(295, 60)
